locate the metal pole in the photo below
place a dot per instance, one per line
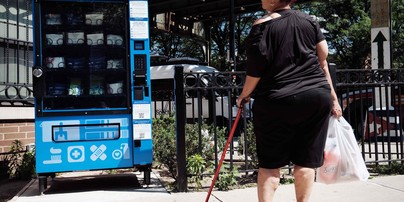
(232, 31)
(208, 39)
(391, 33)
(180, 128)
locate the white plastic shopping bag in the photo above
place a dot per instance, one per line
(343, 161)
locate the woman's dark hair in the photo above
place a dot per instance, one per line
(287, 1)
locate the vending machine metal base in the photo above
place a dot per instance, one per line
(91, 86)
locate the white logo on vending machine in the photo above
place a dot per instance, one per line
(98, 152)
(123, 151)
(75, 154)
(55, 158)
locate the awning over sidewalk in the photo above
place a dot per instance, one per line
(202, 10)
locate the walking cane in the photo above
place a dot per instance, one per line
(233, 129)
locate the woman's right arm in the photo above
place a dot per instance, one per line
(249, 86)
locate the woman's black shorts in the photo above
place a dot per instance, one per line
(292, 129)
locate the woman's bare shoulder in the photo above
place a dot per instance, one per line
(262, 20)
(266, 18)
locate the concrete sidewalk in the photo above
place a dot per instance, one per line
(68, 188)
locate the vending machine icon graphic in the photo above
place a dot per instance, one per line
(75, 154)
(98, 152)
(55, 158)
(122, 152)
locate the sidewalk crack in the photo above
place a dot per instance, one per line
(390, 187)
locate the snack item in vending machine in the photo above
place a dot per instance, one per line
(75, 87)
(115, 64)
(94, 18)
(115, 88)
(95, 39)
(53, 19)
(97, 62)
(76, 62)
(57, 89)
(74, 19)
(96, 85)
(54, 39)
(115, 40)
(55, 62)
(75, 38)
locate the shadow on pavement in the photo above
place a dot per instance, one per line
(93, 183)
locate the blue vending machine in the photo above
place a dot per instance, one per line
(91, 79)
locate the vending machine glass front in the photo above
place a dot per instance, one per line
(83, 55)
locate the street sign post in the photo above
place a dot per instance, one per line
(380, 44)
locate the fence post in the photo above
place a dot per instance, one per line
(332, 68)
(182, 182)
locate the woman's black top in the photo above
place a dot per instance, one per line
(282, 52)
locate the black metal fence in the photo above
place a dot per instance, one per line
(16, 94)
(372, 101)
(16, 53)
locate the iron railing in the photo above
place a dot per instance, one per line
(16, 53)
(372, 102)
(16, 95)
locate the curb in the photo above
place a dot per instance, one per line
(23, 190)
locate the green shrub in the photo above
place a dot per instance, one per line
(21, 162)
(15, 157)
(26, 170)
(393, 168)
(226, 179)
(195, 167)
(251, 148)
(4, 166)
(204, 133)
(164, 142)
(286, 180)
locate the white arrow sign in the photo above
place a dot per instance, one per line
(380, 38)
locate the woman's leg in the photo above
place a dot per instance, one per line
(268, 182)
(304, 180)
